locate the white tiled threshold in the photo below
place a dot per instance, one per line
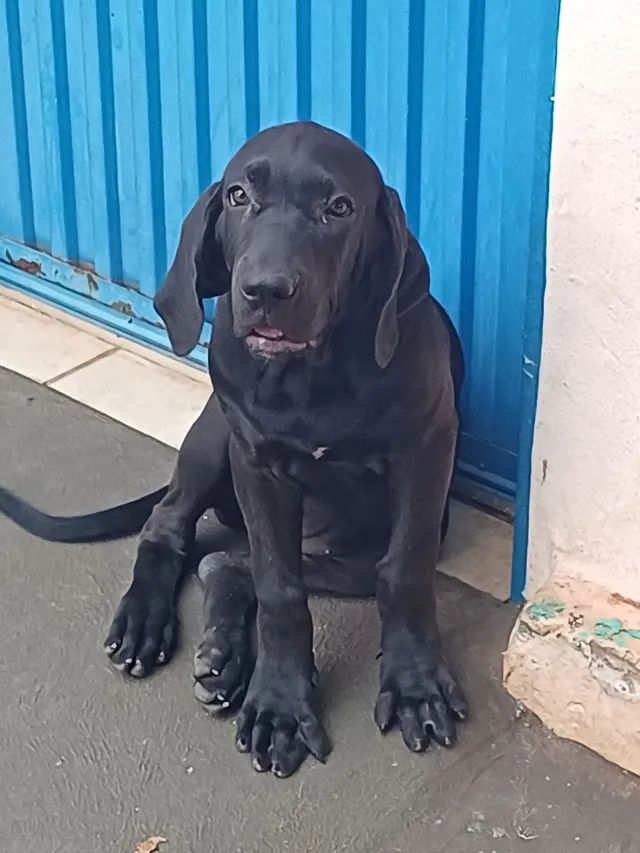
(151, 398)
(161, 397)
(41, 347)
(151, 393)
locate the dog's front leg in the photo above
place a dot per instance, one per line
(278, 723)
(417, 689)
(143, 630)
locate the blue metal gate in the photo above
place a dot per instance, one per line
(116, 113)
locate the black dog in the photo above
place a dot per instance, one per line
(331, 434)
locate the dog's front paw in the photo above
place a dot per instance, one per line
(278, 723)
(422, 696)
(143, 631)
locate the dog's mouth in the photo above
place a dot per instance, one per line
(269, 341)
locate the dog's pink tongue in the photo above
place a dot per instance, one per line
(269, 333)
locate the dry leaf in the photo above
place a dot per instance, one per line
(150, 845)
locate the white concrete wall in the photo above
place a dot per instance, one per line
(585, 500)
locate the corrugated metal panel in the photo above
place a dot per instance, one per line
(117, 112)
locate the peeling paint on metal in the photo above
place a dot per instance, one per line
(123, 307)
(25, 265)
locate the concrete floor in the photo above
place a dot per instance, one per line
(90, 761)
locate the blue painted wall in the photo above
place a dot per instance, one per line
(116, 113)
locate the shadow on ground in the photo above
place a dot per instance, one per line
(91, 761)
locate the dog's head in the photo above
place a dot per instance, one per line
(298, 215)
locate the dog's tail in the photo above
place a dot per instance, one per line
(113, 523)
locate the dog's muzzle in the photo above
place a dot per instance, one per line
(268, 341)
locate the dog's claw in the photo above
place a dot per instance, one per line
(138, 670)
(242, 744)
(385, 710)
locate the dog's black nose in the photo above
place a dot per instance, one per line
(268, 287)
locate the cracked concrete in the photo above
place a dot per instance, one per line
(574, 659)
(92, 761)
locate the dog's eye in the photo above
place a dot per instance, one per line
(340, 207)
(237, 196)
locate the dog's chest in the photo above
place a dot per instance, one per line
(345, 411)
(319, 420)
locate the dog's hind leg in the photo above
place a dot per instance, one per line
(224, 659)
(143, 630)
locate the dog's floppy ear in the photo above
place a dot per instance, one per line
(197, 272)
(387, 332)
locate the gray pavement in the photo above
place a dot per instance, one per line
(91, 761)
